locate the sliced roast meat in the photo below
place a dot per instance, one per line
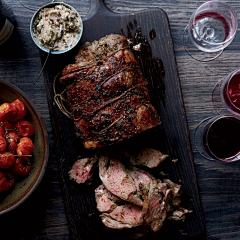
(148, 157)
(82, 169)
(106, 201)
(116, 179)
(125, 216)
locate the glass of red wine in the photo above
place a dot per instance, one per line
(212, 27)
(217, 138)
(226, 94)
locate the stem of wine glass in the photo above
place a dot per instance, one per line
(217, 97)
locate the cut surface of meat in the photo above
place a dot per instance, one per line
(106, 94)
(116, 179)
(148, 157)
(125, 216)
(154, 200)
(82, 169)
(106, 201)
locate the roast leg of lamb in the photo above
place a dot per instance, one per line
(106, 94)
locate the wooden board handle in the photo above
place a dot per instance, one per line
(98, 8)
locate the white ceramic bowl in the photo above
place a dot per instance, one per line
(49, 5)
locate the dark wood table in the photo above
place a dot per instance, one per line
(42, 216)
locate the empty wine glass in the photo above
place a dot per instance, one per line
(212, 27)
(34, 4)
(226, 94)
(217, 138)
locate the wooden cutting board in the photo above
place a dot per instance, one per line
(158, 64)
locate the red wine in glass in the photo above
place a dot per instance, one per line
(231, 92)
(221, 138)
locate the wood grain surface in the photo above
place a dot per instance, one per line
(43, 214)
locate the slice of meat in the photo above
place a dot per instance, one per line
(82, 169)
(144, 182)
(179, 214)
(126, 216)
(148, 157)
(176, 194)
(106, 201)
(157, 210)
(117, 180)
(159, 197)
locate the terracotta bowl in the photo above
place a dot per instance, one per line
(24, 188)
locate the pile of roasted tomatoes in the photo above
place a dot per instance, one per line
(16, 146)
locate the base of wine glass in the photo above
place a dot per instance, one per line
(198, 139)
(34, 5)
(194, 52)
(199, 136)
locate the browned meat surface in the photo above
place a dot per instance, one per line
(125, 216)
(81, 170)
(148, 157)
(104, 47)
(106, 93)
(106, 201)
(103, 68)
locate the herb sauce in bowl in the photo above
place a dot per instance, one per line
(52, 21)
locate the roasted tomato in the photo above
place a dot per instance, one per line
(7, 112)
(8, 126)
(7, 160)
(22, 167)
(12, 140)
(6, 181)
(2, 129)
(3, 144)
(24, 128)
(25, 147)
(21, 110)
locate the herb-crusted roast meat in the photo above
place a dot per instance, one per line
(106, 93)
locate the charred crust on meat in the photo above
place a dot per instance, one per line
(106, 94)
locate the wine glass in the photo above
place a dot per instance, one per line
(212, 27)
(226, 94)
(217, 138)
(34, 4)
